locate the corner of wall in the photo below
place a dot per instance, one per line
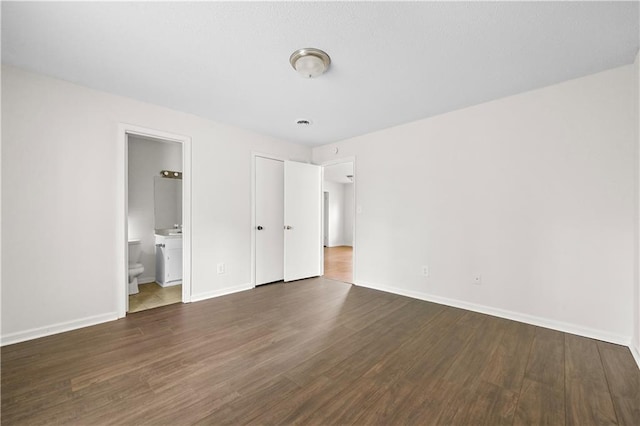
(635, 345)
(538, 321)
(636, 354)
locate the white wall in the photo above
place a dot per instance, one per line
(336, 212)
(348, 213)
(59, 163)
(340, 213)
(534, 192)
(146, 159)
(636, 322)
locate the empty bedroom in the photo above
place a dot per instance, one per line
(376, 213)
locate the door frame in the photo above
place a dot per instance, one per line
(122, 199)
(349, 159)
(326, 199)
(255, 154)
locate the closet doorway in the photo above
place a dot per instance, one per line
(287, 228)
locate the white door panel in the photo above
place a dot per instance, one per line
(302, 220)
(269, 210)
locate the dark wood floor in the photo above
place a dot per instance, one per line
(317, 352)
(338, 263)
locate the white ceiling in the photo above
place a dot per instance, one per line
(393, 62)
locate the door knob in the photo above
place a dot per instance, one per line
(259, 228)
(288, 227)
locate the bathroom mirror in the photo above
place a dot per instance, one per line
(167, 202)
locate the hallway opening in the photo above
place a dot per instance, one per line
(338, 221)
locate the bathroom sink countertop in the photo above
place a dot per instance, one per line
(169, 233)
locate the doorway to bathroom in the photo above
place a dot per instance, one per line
(157, 220)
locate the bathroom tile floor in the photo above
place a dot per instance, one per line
(152, 295)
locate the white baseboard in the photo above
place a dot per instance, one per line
(61, 327)
(511, 315)
(146, 280)
(171, 284)
(340, 244)
(223, 292)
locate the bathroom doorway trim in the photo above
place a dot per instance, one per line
(124, 130)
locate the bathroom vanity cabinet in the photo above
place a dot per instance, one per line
(168, 260)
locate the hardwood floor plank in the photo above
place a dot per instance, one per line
(345, 406)
(369, 336)
(547, 358)
(396, 405)
(471, 399)
(507, 365)
(482, 341)
(588, 400)
(481, 403)
(301, 405)
(542, 396)
(251, 403)
(623, 378)
(443, 349)
(540, 404)
(375, 310)
(391, 332)
(412, 350)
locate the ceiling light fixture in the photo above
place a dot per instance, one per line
(310, 62)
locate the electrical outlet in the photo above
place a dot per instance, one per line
(220, 268)
(425, 270)
(477, 280)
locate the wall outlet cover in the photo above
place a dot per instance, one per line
(425, 270)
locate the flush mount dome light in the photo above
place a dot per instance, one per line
(310, 62)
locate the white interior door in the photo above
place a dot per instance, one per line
(269, 210)
(302, 220)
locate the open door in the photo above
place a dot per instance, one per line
(269, 214)
(302, 220)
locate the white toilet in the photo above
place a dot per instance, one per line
(135, 268)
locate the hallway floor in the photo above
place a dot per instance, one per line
(338, 263)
